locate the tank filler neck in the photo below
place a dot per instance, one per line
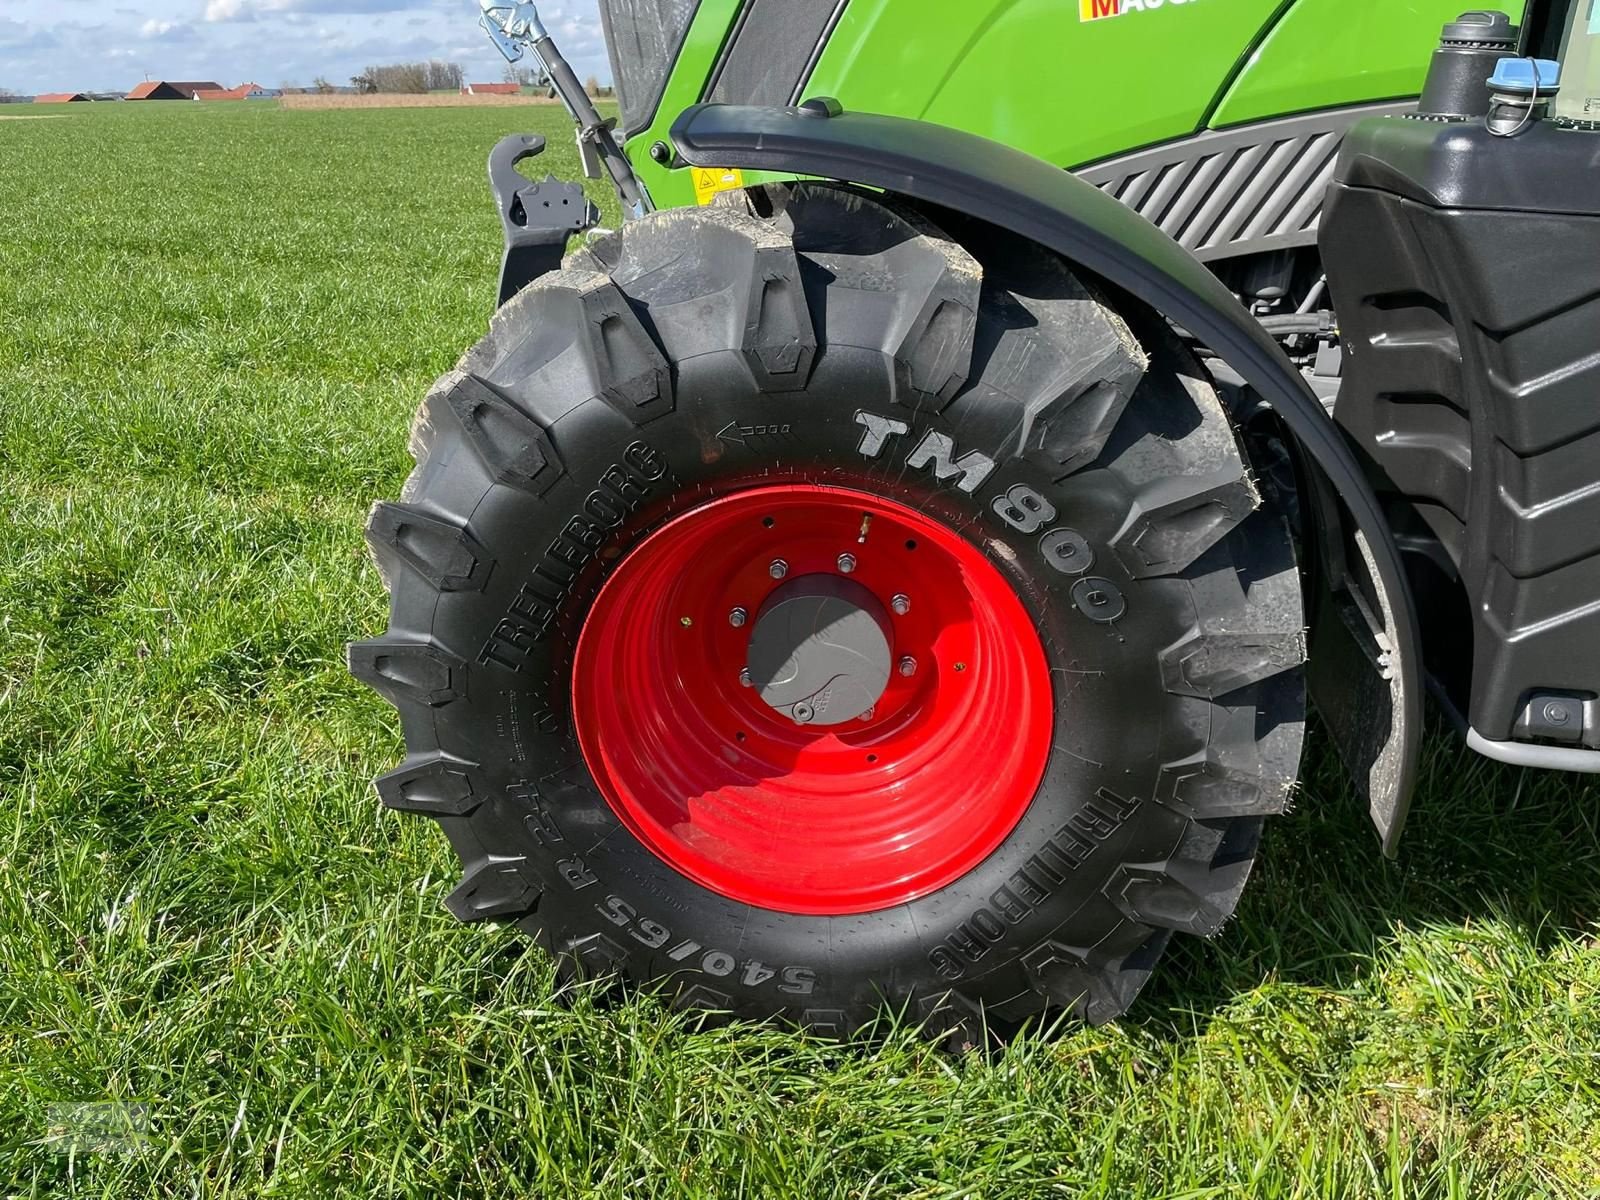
(1520, 91)
(1470, 47)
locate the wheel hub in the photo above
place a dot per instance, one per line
(812, 699)
(820, 650)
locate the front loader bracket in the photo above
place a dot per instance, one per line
(538, 217)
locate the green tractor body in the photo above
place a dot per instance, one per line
(1072, 82)
(894, 567)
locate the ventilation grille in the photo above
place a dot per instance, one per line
(1237, 191)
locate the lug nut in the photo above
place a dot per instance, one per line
(737, 617)
(847, 563)
(901, 604)
(744, 676)
(778, 568)
(908, 665)
(802, 713)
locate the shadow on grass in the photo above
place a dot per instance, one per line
(1484, 842)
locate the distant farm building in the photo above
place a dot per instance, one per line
(60, 98)
(491, 89)
(162, 89)
(245, 91)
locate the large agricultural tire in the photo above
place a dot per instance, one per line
(1094, 626)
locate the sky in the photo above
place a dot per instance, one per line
(111, 45)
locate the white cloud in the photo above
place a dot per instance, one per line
(226, 10)
(154, 28)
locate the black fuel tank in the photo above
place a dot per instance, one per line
(1465, 270)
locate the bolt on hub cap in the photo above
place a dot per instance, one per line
(790, 760)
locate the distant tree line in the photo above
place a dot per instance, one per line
(414, 77)
(528, 77)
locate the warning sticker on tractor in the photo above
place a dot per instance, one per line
(1095, 10)
(708, 181)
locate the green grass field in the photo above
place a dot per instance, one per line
(214, 326)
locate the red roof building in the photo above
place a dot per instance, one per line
(161, 89)
(59, 98)
(245, 91)
(491, 89)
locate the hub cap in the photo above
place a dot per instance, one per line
(820, 650)
(831, 754)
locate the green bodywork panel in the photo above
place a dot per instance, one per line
(1324, 53)
(1031, 74)
(1037, 75)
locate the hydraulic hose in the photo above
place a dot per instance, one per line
(1291, 323)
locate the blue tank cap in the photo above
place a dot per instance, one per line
(1518, 76)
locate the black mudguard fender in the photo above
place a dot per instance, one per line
(1365, 671)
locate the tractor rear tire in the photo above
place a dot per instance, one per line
(956, 459)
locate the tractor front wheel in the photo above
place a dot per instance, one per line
(815, 612)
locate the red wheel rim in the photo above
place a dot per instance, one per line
(803, 818)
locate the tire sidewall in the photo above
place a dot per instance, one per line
(609, 901)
